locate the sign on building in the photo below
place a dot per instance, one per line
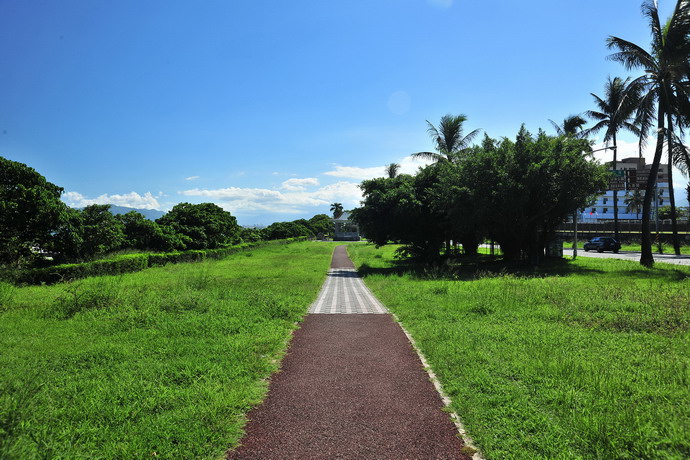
(617, 181)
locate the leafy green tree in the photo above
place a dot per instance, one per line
(206, 225)
(664, 83)
(517, 192)
(665, 212)
(142, 233)
(101, 231)
(397, 209)
(321, 224)
(337, 210)
(455, 204)
(282, 230)
(30, 211)
(449, 139)
(525, 188)
(68, 239)
(614, 113)
(251, 234)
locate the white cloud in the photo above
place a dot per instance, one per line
(348, 193)
(354, 172)
(299, 185)
(408, 165)
(256, 200)
(131, 200)
(191, 178)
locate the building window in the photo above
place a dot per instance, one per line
(606, 210)
(661, 192)
(594, 210)
(605, 200)
(661, 202)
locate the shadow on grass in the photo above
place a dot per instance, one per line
(484, 266)
(665, 274)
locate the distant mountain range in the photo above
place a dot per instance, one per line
(151, 214)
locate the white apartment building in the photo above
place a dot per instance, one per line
(602, 209)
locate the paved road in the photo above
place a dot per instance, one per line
(350, 387)
(634, 256)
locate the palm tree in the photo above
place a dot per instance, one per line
(392, 170)
(448, 139)
(572, 126)
(634, 203)
(337, 210)
(615, 112)
(664, 83)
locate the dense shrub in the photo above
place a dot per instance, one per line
(282, 230)
(206, 225)
(125, 264)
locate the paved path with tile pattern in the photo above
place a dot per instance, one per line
(344, 292)
(350, 387)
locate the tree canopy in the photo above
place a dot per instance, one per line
(30, 211)
(516, 192)
(206, 225)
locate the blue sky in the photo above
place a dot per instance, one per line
(273, 109)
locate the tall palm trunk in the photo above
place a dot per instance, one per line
(647, 259)
(615, 192)
(671, 194)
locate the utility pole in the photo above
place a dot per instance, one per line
(656, 212)
(575, 235)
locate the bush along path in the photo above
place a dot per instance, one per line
(350, 386)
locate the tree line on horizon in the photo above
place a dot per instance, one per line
(34, 221)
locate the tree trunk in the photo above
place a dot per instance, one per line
(647, 259)
(671, 194)
(615, 192)
(470, 244)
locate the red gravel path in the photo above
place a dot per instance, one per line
(350, 386)
(341, 259)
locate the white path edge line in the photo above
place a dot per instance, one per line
(346, 298)
(318, 303)
(439, 388)
(334, 301)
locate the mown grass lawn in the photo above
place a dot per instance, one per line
(665, 247)
(583, 359)
(162, 363)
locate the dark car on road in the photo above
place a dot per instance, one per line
(603, 243)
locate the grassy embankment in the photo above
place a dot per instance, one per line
(583, 359)
(162, 363)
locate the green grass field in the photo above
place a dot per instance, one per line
(666, 248)
(583, 359)
(162, 363)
